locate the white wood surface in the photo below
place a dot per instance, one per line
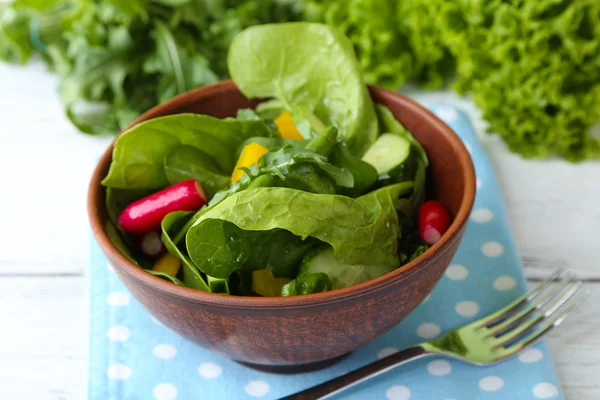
(45, 165)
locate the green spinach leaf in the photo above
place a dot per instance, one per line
(361, 231)
(115, 237)
(218, 285)
(363, 173)
(306, 284)
(277, 60)
(187, 162)
(220, 248)
(118, 199)
(281, 161)
(170, 225)
(139, 153)
(166, 277)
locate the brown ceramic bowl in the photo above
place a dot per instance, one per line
(303, 330)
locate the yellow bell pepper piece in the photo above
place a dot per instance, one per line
(287, 128)
(169, 264)
(251, 153)
(265, 284)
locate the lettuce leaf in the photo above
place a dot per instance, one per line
(361, 231)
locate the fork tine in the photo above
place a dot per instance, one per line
(526, 328)
(553, 323)
(515, 305)
(513, 321)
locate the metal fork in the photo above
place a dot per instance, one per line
(486, 341)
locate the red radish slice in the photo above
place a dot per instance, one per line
(145, 215)
(434, 221)
(151, 244)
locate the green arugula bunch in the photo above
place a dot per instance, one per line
(116, 59)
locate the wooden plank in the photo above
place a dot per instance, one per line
(575, 347)
(44, 333)
(49, 162)
(48, 320)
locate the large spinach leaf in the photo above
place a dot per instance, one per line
(361, 231)
(170, 225)
(363, 173)
(306, 64)
(166, 277)
(115, 237)
(187, 162)
(220, 248)
(281, 162)
(139, 153)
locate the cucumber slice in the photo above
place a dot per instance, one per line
(388, 152)
(322, 260)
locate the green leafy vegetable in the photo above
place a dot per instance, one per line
(139, 153)
(306, 284)
(274, 61)
(191, 276)
(283, 161)
(187, 162)
(341, 275)
(166, 277)
(219, 247)
(361, 231)
(364, 175)
(218, 285)
(127, 56)
(115, 237)
(118, 199)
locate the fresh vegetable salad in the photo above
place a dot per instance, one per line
(316, 189)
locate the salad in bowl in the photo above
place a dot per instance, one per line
(316, 189)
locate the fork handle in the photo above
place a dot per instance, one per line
(336, 385)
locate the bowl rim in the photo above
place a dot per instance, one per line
(123, 265)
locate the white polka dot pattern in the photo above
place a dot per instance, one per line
(164, 351)
(482, 215)
(387, 351)
(439, 367)
(457, 272)
(467, 308)
(504, 283)
(428, 330)
(545, 391)
(210, 370)
(165, 391)
(398, 393)
(531, 355)
(257, 388)
(492, 249)
(491, 383)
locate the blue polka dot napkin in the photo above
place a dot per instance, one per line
(132, 356)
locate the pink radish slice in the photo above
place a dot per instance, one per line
(151, 245)
(434, 221)
(145, 215)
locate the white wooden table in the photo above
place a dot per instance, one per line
(44, 238)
